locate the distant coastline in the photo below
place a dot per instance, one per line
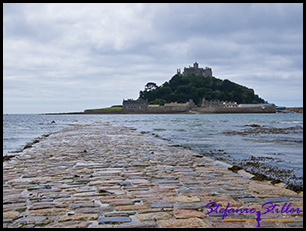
(211, 110)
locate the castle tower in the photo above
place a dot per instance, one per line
(196, 71)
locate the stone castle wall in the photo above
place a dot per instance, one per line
(168, 109)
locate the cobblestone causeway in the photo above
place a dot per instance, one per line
(102, 176)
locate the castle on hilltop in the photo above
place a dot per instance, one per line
(196, 71)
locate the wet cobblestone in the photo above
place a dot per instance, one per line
(103, 176)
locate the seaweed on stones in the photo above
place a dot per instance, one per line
(8, 157)
(266, 172)
(261, 177)
(235, 168)
(217, 154)
(258, 129)
(253, 125)
(295, 188)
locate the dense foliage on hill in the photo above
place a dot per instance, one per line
(182, 88)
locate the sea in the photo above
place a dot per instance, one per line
(264, 144)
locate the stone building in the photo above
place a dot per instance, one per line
(206, 103)
(135, 105)
(196, 71)
(141, 106)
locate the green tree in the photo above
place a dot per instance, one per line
(160, 102)
(151, 86)
(182, 88)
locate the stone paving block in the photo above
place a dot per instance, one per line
(184, 199)
(16, 200)
(161, 205)
(119, 202)
(192, 206)
(114, 173)
(224, 224)
(151, 210)
(276, 199)
(45, 205)
(154, 216)
(70, 224)
(184, 223)
(19, 207)
(252, 200)
(119, 214)
(97, 210)
(7, 220)
(10, 214)
(46, 212)
(79, 216)
(179, 214)
(294, 224)
(131, 207)
(82, 205)
(55, 196)
(37, 220)
(114, 219)
(143, 224)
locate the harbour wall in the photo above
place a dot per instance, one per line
(212, 110)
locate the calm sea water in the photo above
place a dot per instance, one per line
(273, 140)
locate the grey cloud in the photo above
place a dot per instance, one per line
(87, 51)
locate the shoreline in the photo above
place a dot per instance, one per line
(27, 145)
(198, 110)
(123, 174)
(150, 113)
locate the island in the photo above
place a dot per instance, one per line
(194, 91)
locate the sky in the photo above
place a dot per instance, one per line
(71, 57)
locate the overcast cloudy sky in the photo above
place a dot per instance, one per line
(71, 57)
